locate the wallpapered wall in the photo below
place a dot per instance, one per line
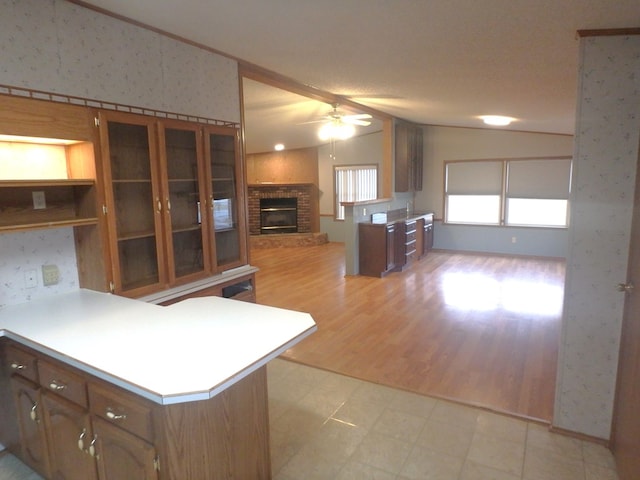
(28, 251)
(607, 141)
(55, 46)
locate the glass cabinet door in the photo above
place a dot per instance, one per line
(129, 153)
(227, 202)
(184, 201)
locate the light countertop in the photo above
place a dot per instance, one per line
(189, 351)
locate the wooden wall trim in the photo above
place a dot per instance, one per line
(607, 32)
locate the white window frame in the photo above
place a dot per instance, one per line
(353, 183)
(535, 179)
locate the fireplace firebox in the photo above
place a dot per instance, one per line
(278, 215)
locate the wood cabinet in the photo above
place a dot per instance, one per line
(176, 200)
(394, 246)
(406, 240)
(59, 190)
(376, 248)
(408, 160)
(33, 443)
(74, 426)
(424, 230)
(154, 202)
(227, 193)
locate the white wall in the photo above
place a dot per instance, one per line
(443, 144)
(606, 153)
(55, 46)
(365, 149)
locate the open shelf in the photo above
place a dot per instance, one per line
(39, 204)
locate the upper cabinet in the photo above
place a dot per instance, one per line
(134, 201)
(227, 200)
(175, 193)
(408, 157)
(184, 198)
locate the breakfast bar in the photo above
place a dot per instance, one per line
(111, 387)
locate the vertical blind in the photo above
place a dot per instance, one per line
(354, 184)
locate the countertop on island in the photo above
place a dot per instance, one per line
(188, 351)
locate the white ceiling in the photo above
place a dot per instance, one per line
(441, 62)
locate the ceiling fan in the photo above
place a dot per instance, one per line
(339, 126)
(335, 115)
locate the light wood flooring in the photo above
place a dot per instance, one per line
(480, 329)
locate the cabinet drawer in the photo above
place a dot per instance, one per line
(121, 409)
(63, 382)
(21, 362)
(410, 236)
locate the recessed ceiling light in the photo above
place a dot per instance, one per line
(497, 120)
(278, 147)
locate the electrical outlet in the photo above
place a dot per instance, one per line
(50, 275)
(30, 279)
(364, 211)
(514, 239)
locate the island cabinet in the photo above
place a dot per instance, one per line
(174, 201)
(73, 426)
(376, 248)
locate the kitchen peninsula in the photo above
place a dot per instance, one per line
(109, 388)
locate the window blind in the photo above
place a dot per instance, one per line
(474, 178)
(539, 179)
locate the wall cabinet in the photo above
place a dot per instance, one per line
(158, 202)
(175, 199)
(376, 249)
(408, 160)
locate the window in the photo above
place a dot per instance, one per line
(354, 183)
(531, 192)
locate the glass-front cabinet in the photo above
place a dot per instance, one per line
(182, 169)
(227, 197)
(174, 200)
(133, 201)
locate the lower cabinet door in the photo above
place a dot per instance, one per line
(33, 443)
(121, 455)
(69, 438)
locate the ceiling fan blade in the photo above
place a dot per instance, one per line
(358, 116)
(356, 121)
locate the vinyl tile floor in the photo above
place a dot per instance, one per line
(326, 426)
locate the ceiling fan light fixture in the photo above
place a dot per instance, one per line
(336, 130)
(497, 120)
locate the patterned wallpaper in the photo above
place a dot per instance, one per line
(56, 46)
(30, 250)
(59, 47)
(607, 142)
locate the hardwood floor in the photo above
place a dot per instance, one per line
(480, 329)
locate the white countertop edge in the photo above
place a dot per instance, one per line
(192, 287)
(154, 396)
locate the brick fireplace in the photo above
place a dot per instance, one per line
(301, 192)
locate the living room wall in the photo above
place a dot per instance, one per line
(442, 144)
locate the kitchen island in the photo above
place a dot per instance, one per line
(113, 388)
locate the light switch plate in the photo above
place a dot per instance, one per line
(39, 200)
